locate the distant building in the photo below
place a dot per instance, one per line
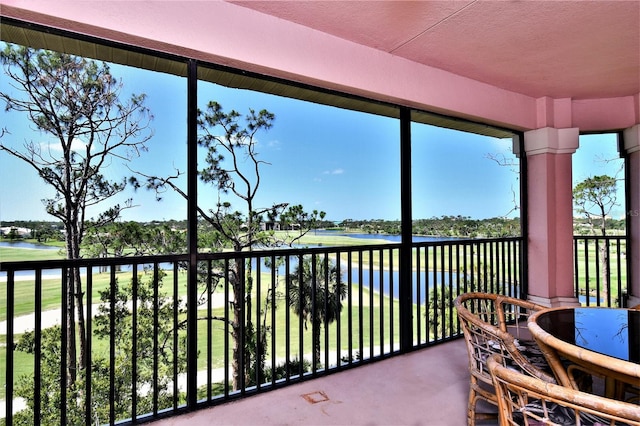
(269, 226)
(20, 232)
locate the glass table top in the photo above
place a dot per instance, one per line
(612, 332)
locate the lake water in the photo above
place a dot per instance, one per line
(386, 237)
(386, 282)
(25, 245)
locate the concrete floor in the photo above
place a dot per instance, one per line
(426, 387)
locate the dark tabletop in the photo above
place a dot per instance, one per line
(612, 332)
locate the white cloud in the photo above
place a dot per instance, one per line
(275, 144)
(333, 172)
(76, 145)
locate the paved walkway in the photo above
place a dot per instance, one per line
(27, 322)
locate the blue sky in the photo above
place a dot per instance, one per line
(342, 162)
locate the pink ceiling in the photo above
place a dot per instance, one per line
(560, 49)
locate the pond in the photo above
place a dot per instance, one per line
(385, 281)
(26, 245)
(393, 238)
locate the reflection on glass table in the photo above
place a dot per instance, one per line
(604, 341)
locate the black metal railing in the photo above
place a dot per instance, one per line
(600, 270)
(458, 266)
(264, 319)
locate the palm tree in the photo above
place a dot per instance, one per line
(315, 294)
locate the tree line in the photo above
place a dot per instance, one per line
(444, 226)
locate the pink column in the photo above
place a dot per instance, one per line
(632, 148)
(550, 203)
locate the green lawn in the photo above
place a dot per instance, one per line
(51, 293)
(312, 238)
(294, 332)
(10, 254)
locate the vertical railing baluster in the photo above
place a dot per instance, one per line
(619, 303)
(446, 295)
(517, 283)
(37, 370)
(587, 268)
(9, 359)
(274, 289)
(88, 354)
(418, 292)
(500, 260)
(287, 302)
(134, 341)
(576, 267)
(63, 346)
(392, 334)
(465, 271)
(350, 307)
(472, 267)
(227, 385)
(209, 297)
(325, 300)
(242, 365)
(508, 276)
(509, 247)
(301, 296)
(176, 349)
(433, 300)
(606, 271)
(427, 293)
(464, 282)
(450, 312)
(258, 337)
(520, 270)
(371, 316)
(439, 300)
(492, 275)
(482, 266)
(443, 272)
(339, 322)
(156, 363)
(598, 272)
(360, 306)
(314, 312)
(112, 345)
(381, 295)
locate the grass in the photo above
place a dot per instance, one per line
(313, 239)
(51, 293)
(297, 331)
(11, 254)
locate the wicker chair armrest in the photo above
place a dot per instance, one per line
(535, 399)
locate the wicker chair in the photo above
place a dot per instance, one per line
(525, 400)
(629, 392)
(495, 324)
